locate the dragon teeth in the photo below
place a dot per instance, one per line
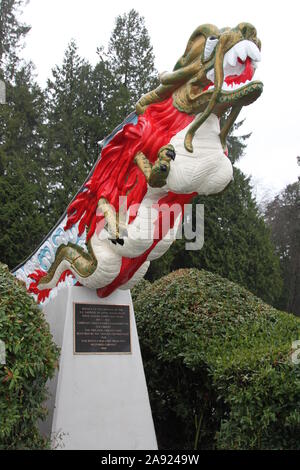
(236, 70)
(231, 87)
(231, 66)
(231, 57)
(242, 50)
(234, 86)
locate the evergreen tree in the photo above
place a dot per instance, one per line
(72, 128)
(237, 243)
(105, 99)
(283, 217)
(130, 61)
(85, 104)
(22, 193)
(11, 33)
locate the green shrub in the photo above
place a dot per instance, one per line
(31, 358)
(218, 364)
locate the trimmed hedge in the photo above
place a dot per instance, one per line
(31, 358)
(218, 364)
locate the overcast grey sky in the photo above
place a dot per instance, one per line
(273, 120)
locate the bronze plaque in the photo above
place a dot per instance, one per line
(101, 329)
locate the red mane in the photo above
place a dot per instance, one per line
(116, 174)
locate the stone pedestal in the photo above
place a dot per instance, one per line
(98, 401)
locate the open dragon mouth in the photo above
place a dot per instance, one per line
(214, 75)
(239, 66)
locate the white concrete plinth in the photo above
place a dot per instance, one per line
(101, 401)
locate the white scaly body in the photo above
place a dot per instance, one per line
(205, 171)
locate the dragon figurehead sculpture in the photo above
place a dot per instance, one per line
(161, 156)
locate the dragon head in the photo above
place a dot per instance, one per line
(214, 74)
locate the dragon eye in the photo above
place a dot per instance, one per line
(210, 46)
